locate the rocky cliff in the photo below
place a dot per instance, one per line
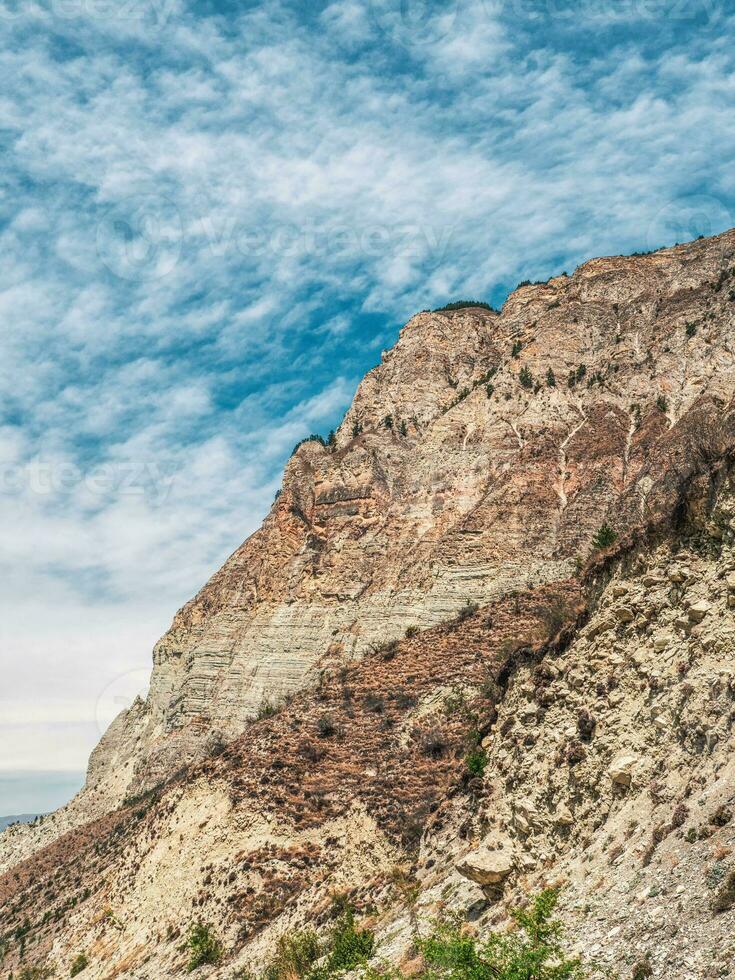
(434, 572)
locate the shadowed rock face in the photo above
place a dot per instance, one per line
(440, 489)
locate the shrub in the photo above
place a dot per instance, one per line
(662, 403)
(490, 390)
(266, 710)
(691, 329)
(526, 378)
(550, 379)
(204, 946)
(476, 762)
(296, 953)
(433, 743)
(356, 429)
(642, 969)
(325, 726)
(468, 610)
(349, 946)
(604, 537)
(463, 304)
(411, 631)
(79, 964)
(36, 973)
(516, 349)
(534, 952)
(388, 421)
(403, 429)
(372, 702)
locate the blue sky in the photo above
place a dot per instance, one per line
(213, 218)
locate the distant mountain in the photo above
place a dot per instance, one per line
(20, 818)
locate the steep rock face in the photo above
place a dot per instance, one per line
(440, 489)
(479, 458)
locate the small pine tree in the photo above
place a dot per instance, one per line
(490, 390)
(388, 421)
(403, 429)
(550, 379)
(604, 537)
(691, 329)
(662, 403)
(516, 349)
(332, 438)
(526, 378)
(356, 429)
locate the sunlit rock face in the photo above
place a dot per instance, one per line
(479, 457)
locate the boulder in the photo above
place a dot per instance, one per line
(698, 610)
(487, 867)
(624, 614)
(563, 816)
(621, 770)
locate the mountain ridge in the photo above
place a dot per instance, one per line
(309, 706)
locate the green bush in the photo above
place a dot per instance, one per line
(526, 378)
(662, 403)
(296, 953)
(691, 329)
(476, 762)
(36, 973)
(349, 946)
(534, 952)
(204, 946)
(604, 537)
(490, 390)
(516, 349)
(550, 379)
(79, 964)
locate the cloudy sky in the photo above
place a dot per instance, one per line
(215, 215)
